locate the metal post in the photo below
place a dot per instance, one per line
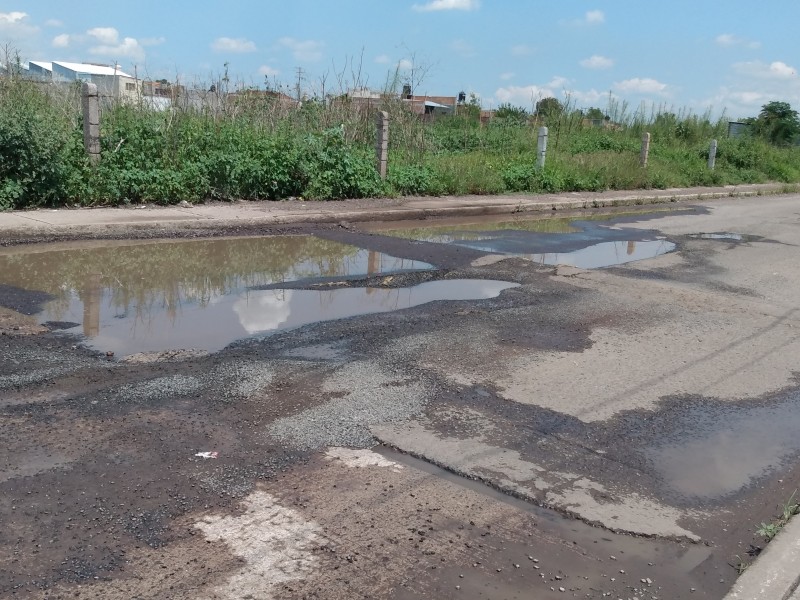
(541, 147)
(645, 155)
(382, 143)
(712, 155)
(91, 121)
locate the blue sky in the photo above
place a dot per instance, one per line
(682, 54)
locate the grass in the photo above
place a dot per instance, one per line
(252, 147)
(788, 509)
(768, 531)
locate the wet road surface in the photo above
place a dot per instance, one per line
(480, 424)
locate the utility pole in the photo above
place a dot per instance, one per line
(299, 81)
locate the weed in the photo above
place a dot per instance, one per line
(768, 530)
(788, 510)
(740, 565)
(249, 146)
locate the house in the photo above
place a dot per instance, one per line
(362, 100)
(431, 105)
(111, 81)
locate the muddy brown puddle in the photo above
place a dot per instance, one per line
(128, 298)
(589, 562)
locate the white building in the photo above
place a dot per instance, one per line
(110, 81)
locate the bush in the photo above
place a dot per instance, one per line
(414, 180)
(335, 170)
(32, 142)
(253, 148)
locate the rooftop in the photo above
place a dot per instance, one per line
(86, 68)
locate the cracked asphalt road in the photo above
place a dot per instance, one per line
(617, 432)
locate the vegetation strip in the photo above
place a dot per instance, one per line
(250, 147)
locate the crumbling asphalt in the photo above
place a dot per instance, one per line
(530, 442)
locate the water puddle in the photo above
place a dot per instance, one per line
(607, 254)
(594, 559)
(147, 297)
(586, 243)
(725, 449)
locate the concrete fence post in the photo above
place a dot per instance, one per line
(91, 121)
(382, 143)
(645, 155)
(712, 155)
(541, 148)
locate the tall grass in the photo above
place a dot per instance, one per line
(252, 146)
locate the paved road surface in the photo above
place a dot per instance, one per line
(614, 432)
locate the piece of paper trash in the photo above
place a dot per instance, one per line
(207, 454)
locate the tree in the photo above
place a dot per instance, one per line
(511, 113)
(778, 123)
(549, 107)
(470, 109)
(595, 114)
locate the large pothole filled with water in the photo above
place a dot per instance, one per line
(135, 297)
(583, 243)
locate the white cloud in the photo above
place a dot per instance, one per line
(639, 85)
(61, 41)
(383, 59)
(128, 47)
(507, 76)
(104, 35)
(591, 17)
(435, 5)
(305, 50)
(13, 17)
(597, 62)
(728, 40)
(531, 93)
(15, 24)
(53, 23)
(405, 65)
(462, 48)
(761, 70)
(521, 50)
(782, 70)
(753, 84)
(152, 41)
(236, 45)
(595, 17)
(268, 71)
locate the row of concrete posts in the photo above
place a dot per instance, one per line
(91, 136)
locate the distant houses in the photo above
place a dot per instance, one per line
(111, 81)
(115, 84)
(367, 101)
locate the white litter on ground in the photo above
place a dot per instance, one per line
(359, 459)
(207, 454)
(275, 542)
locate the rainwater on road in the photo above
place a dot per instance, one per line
(131, 298)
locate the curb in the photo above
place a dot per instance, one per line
(396, 213)
(775, 575)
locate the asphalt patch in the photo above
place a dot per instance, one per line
(27, 302)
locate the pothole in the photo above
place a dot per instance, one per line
(135, 298)
(587, 244)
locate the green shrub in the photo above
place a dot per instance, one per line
(32, 142)
(414, 180)
(252, 148)
(335, 170)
